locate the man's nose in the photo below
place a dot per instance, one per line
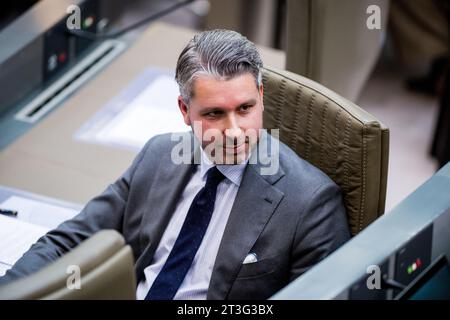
(233, 131)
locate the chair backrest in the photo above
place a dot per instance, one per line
(105, 266)
(335, 135)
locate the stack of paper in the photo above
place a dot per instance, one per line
(38, 212)
(16, 238)
(34, 219)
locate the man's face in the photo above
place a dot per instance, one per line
(226, 116)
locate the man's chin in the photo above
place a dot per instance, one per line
(236, 155)
(232, 159)
(228, 157)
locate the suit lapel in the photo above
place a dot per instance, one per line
(162, 199)
(255, 203)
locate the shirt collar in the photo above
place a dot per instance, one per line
(233, 173)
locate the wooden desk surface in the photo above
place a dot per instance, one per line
(47, 160)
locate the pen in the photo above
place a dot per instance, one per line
(11, 213)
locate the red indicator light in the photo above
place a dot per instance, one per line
(62, 57)
(418, 262)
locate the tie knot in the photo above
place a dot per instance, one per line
(214, 176)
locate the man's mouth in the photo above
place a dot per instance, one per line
(235, 149)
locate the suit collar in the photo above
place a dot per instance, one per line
(265, 160)
(233, 173)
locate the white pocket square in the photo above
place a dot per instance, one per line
(250, 258)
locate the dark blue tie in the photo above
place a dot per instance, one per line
(191, 235)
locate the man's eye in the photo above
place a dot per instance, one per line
(213, 114)
(245, 107)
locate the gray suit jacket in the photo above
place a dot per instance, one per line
(291, 220)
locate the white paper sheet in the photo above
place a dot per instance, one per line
(153, 111)
(36, 212)
(16, 238)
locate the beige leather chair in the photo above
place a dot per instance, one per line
(347, 143)
(328, 41)
(107, 272)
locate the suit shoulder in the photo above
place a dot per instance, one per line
(300, 170)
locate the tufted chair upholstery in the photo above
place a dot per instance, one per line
(347, 143)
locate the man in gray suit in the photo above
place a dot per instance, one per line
(227, 213)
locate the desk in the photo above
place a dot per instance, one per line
(48, 161)
(379, 243)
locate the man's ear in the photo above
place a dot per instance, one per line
(261, 94)
(184, 110)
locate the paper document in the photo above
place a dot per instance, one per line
(152, 112)
(16, 238)
(146, 108)
(37, 212)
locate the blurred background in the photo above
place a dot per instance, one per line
(392, 60)
(396, 74)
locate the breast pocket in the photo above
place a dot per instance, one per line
(259, 268)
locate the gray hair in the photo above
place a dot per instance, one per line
(223, 54)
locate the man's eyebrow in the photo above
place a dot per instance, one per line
(248, 102)
(206, 109)
(210, 109)
(251, 101)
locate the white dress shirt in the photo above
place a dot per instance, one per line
(195, 284)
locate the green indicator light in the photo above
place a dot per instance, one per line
(88, 22)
